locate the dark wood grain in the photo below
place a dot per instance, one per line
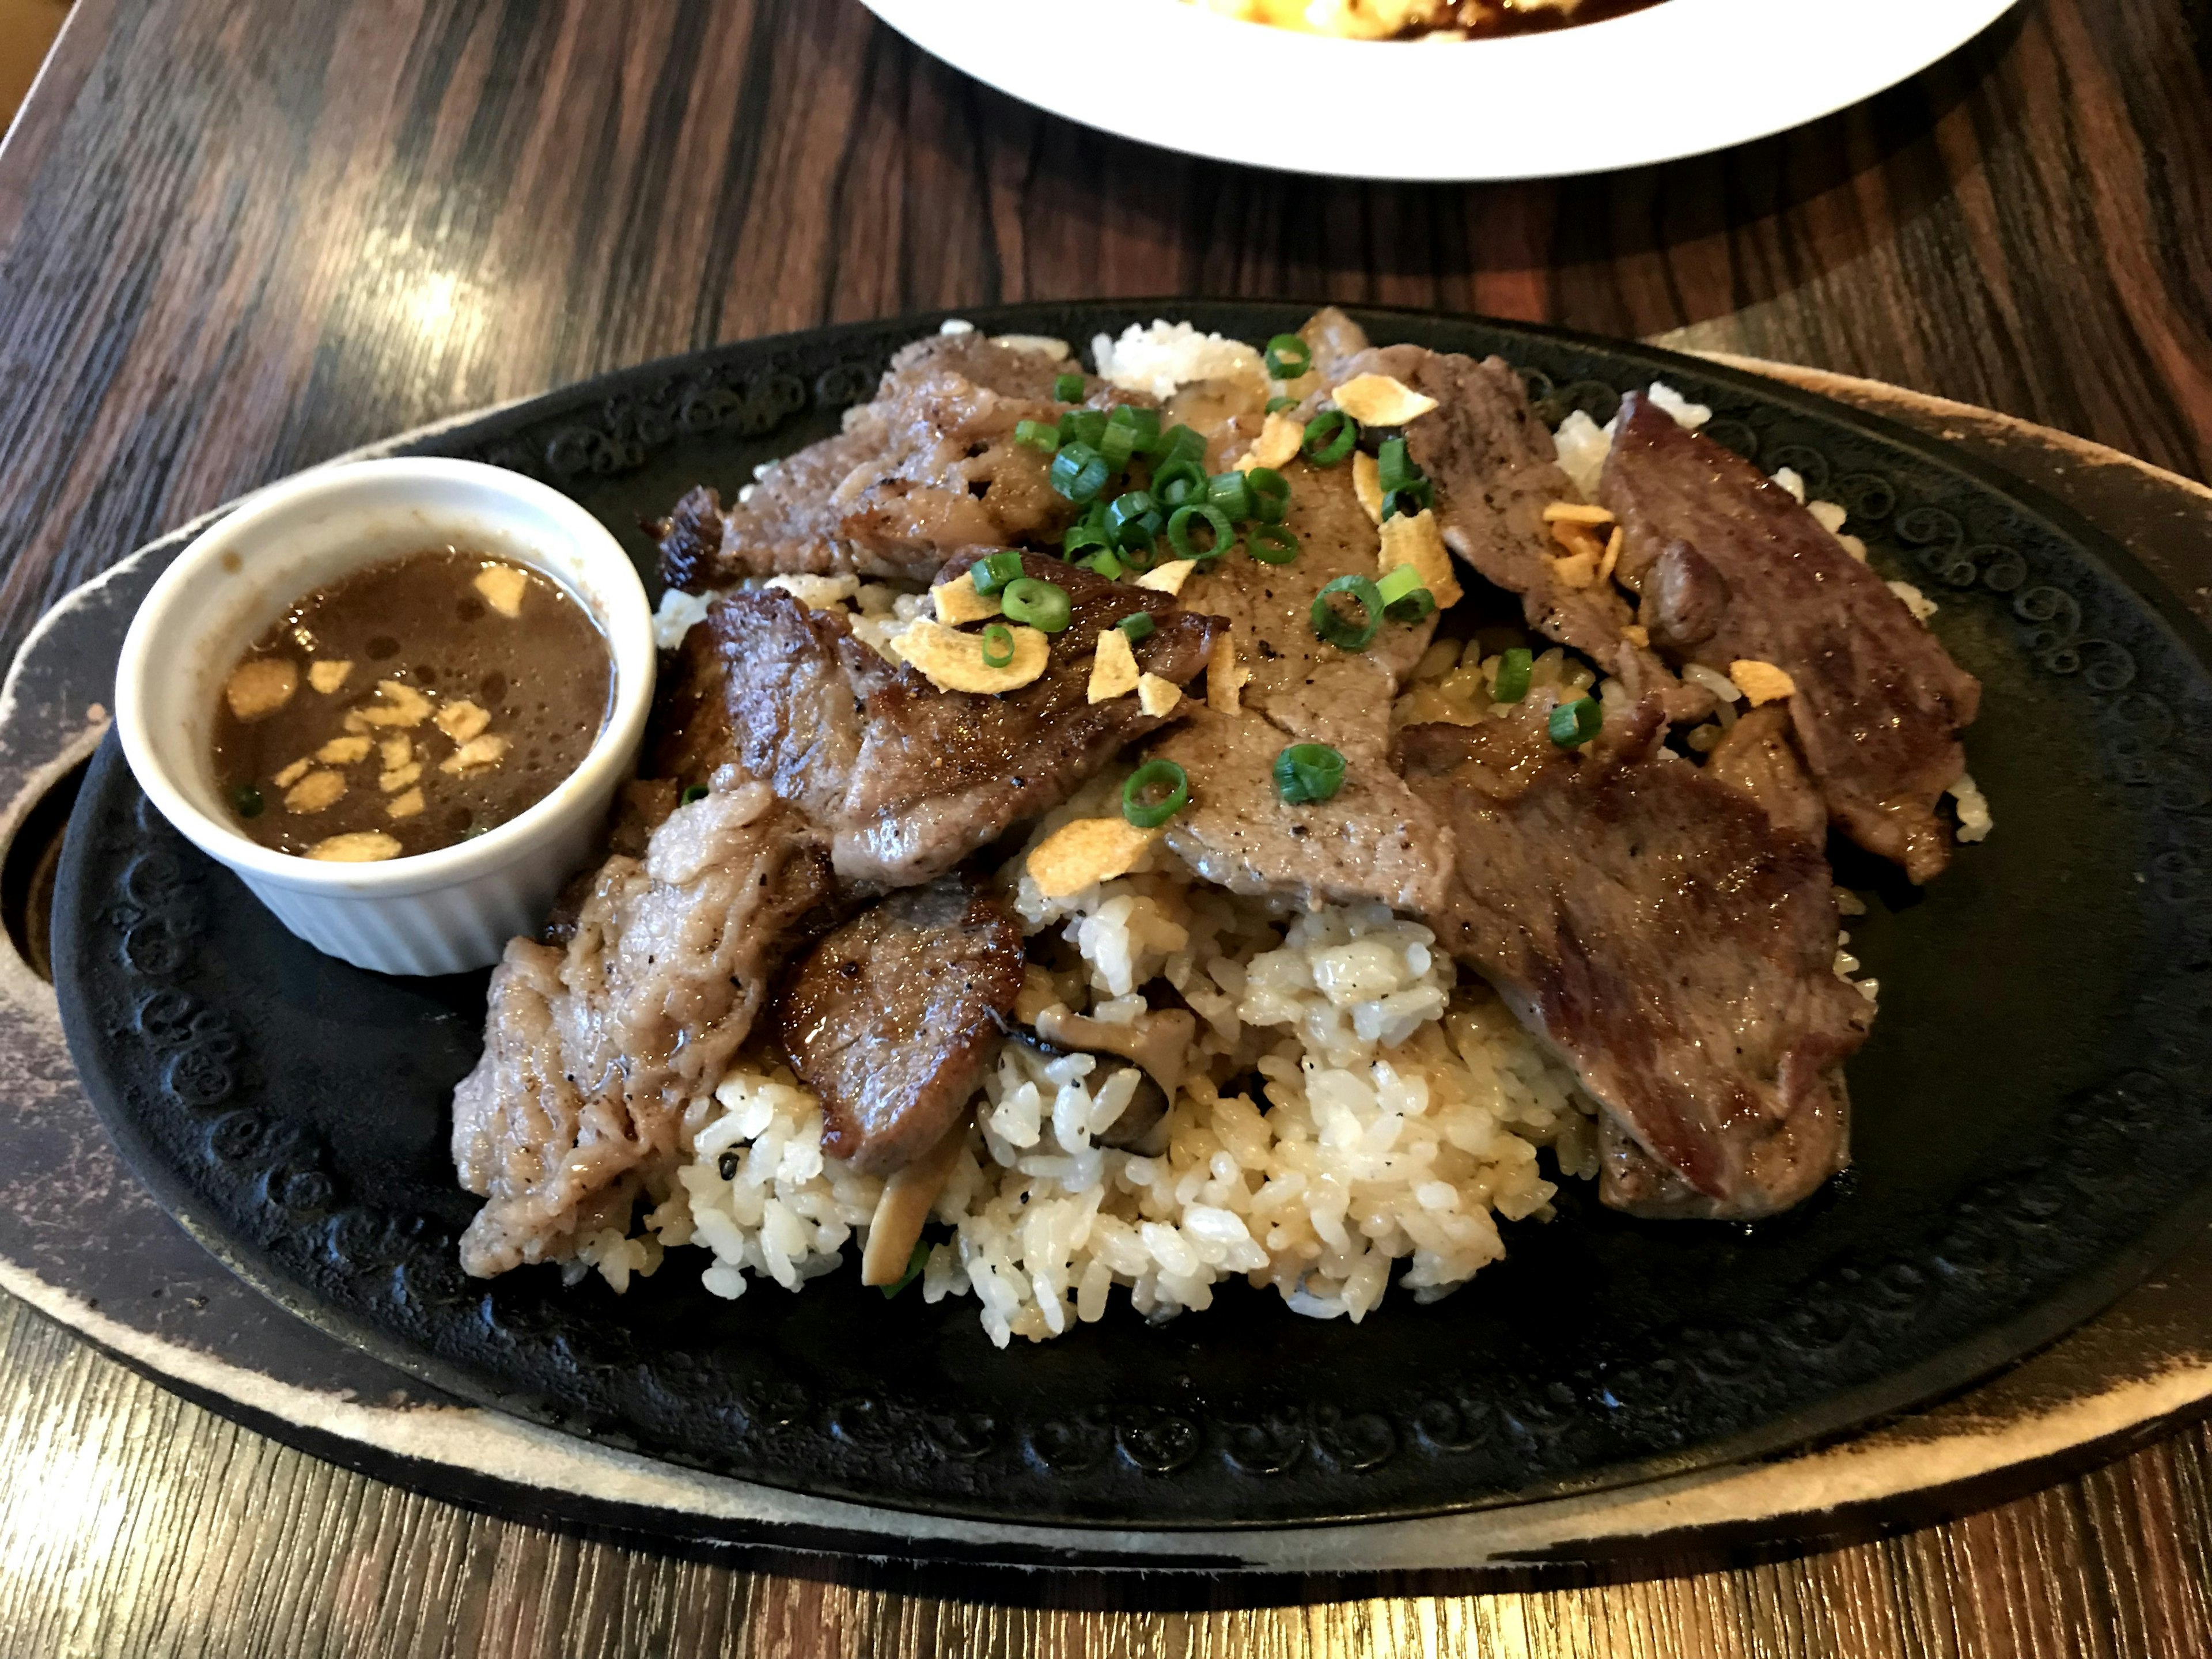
(239, 236)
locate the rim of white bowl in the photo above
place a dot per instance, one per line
(624, 614)
(1682, 78)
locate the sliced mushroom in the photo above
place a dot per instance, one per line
(1159, 1041)
(909, 1194)
(1142, 1128)
(1156, 1044)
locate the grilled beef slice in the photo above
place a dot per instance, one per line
(892, 1018)
(1755, 756)
(592, 1049)
(1657, 931)
(927, 467)
(1879, 703)
(1495, 471)
(904, 780)
(1375, 839)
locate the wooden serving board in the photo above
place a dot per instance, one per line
(85, 1243)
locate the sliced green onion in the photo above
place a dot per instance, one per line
(1270, 493)
(919, 1258)
(1117, 443)
(1330, 436)
(1179, 483)
(1037, 435)
(1138, 625)
(1288, 358)
(1397, 582)
(1084, 536)
(1155, 775)
(1416, 605)
(1276, 405)
(1104, 563)
(1404, 599)
(1392, 470)
(1043, 605)
(1125, 520)
(1179, 443)
(1412, 500)
(246, 801)
(1179, 523)
(1307, 772)
(696, 792)
(1143, 426)
(997, 646)
(1230, 493)
(1067, 389)
(1078, 471)
(1575, 723)
(1083, 426)
(1513, 671)
(1341, 631)
(1271, 543)
(1140, 542)
(994, 571)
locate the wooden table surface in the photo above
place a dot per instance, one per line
(242, 235)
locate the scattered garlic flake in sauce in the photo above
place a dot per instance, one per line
(355, 847)
(484, 685)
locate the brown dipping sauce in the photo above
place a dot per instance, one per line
(409, 707)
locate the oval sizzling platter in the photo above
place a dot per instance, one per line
(2030, 1131)
(1677, 79)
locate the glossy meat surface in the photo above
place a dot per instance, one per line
(1879, 703)
(1375, 839)
(1496, 469)
(592, 1049)
(928, 466)
(905, 779)
(1676, 949)
(892, 1018)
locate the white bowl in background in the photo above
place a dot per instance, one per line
(433, 912)
(1678, 79)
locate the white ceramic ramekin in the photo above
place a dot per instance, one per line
(437, 912)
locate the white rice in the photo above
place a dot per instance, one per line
(1166, 356)
(679, 612)
(1974, 820)
(876, 612)
(1399, 1116)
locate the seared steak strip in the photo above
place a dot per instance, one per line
(1741, 571)
(929, 466)
(1496, 469)
(593, 1050)
(905, 779)
(1755, 756)
(1374, 840)
(892, 1018)
(1676, 949)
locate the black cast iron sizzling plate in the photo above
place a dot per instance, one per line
(2031, 1126)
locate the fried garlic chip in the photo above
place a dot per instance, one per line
(1379, 400)
(1080, 854)
(952, 660)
